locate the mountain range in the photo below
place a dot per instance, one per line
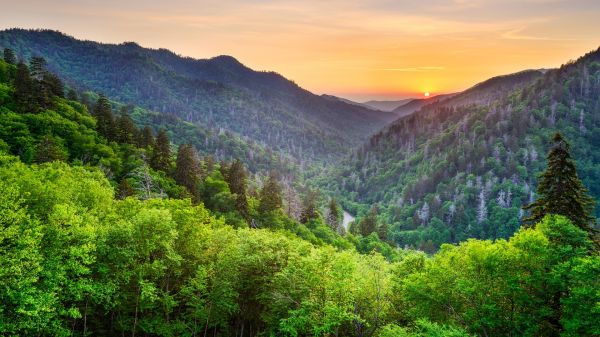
(441, 169)
(464, 166)
(218, 93)
(387, 105)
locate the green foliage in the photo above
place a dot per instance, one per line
(561, 191)
(161, 152)
(221, 94)
(215, 193)
(237, 180)
(95, 240)
(423, 328)
(332, 216)
(78, 261)
(471, 161)
(9, 56)
(368, 224)
(187, 169)
(503, 288)
(270, 195)
(49, 149)
(581, 308)
(309, 207)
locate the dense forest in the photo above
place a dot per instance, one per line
(114, 223)
(463, 167)
(218, 93)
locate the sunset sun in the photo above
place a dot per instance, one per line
(426, 94)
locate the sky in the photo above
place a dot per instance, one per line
(361, 50)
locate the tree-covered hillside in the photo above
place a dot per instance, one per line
(76, 262)
(218, 93)
(107, 228)
(464, 167)
(39, 124)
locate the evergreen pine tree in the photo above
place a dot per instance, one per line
(53, 85)
(382, 231)
(72, 95)
(125, 189)
(333, 215)
(125, 128)
(237, 179)
(37, 66)
(42, 91)
(161, 152)
(368, 224)
(209, 163)
(9, 56)
(270, 194)
(187, 169)
(309, 207)
(146, 137)
(560, 191)
(105, 123)
(48, 150)
(24, 90)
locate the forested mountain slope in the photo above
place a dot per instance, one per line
(218, 93)
(463, 167)
(106, 230)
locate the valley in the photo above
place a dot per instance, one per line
(149, 194)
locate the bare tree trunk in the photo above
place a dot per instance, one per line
(207, 319)
(85, 317)
(137, 302)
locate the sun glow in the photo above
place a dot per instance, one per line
(426, 94)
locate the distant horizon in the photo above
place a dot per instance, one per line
(354, 97)
(362, 50)
(357, 97)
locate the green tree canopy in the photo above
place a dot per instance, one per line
(161, 152)
(237, 178)
(187, 168)
(310, 208)
(560, 191)
(9, 56)
(270, 195)
(368, 224)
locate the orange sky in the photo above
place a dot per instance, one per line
(380, 49)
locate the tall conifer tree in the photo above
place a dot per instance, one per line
(161, 152)
(560, 191)
(333, 215)
(146, 137)
(187, 169)
(24, 90)
(105, 121)
(309, 207)
(9, 56)
(270, 194)
(125, 128)
(237, 178)
(42, 89)
(368, 224)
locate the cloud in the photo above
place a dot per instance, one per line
(516, 34)
(411, 69)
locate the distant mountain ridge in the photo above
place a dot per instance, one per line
(417, 103)
(218, 93)
(464, 166)
(387, 105)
